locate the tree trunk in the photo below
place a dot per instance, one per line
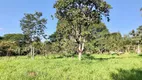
(135, 48)
(32, 52)
(128, 49)
(80, 50)
(79, 56)
(138, 50)
(9, 51)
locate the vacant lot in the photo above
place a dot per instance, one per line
(55, 67)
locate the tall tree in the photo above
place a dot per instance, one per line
(33, 26)
(81, 14)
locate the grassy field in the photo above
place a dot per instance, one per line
(54, 67)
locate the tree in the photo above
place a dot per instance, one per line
(13, 37)
(137, 37)
(114, 42)
(96, 40)
(127, 43)
(7, 48)
(81, 14)
(33, 26)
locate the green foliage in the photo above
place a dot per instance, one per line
(79, 16)
(137, 35)
(13, 37)
(61, 40)
(137, 38)
(82, 11)
(79, 23)
(96, 41)
(8, 48)
(33, 26)
(114, 42)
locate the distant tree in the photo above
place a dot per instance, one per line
(137, 37)
(81, 14)
(7, 48)
(17, 38)
(96, 40)
(127, 43)
(114, 42)
(13, 37)
(33, 26)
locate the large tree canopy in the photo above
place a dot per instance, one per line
(82, 10)
(81, 15)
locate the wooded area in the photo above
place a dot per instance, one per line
(80, 30)
(81, 48)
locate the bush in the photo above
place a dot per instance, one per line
(7, 48)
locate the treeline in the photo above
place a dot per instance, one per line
(101, 41)
(79, 30)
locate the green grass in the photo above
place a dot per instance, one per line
(55, 67)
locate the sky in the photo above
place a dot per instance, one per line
(125, 15)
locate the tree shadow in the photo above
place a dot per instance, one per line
(60, 56)
(140, 55)
(133, 74)
(89, 57)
